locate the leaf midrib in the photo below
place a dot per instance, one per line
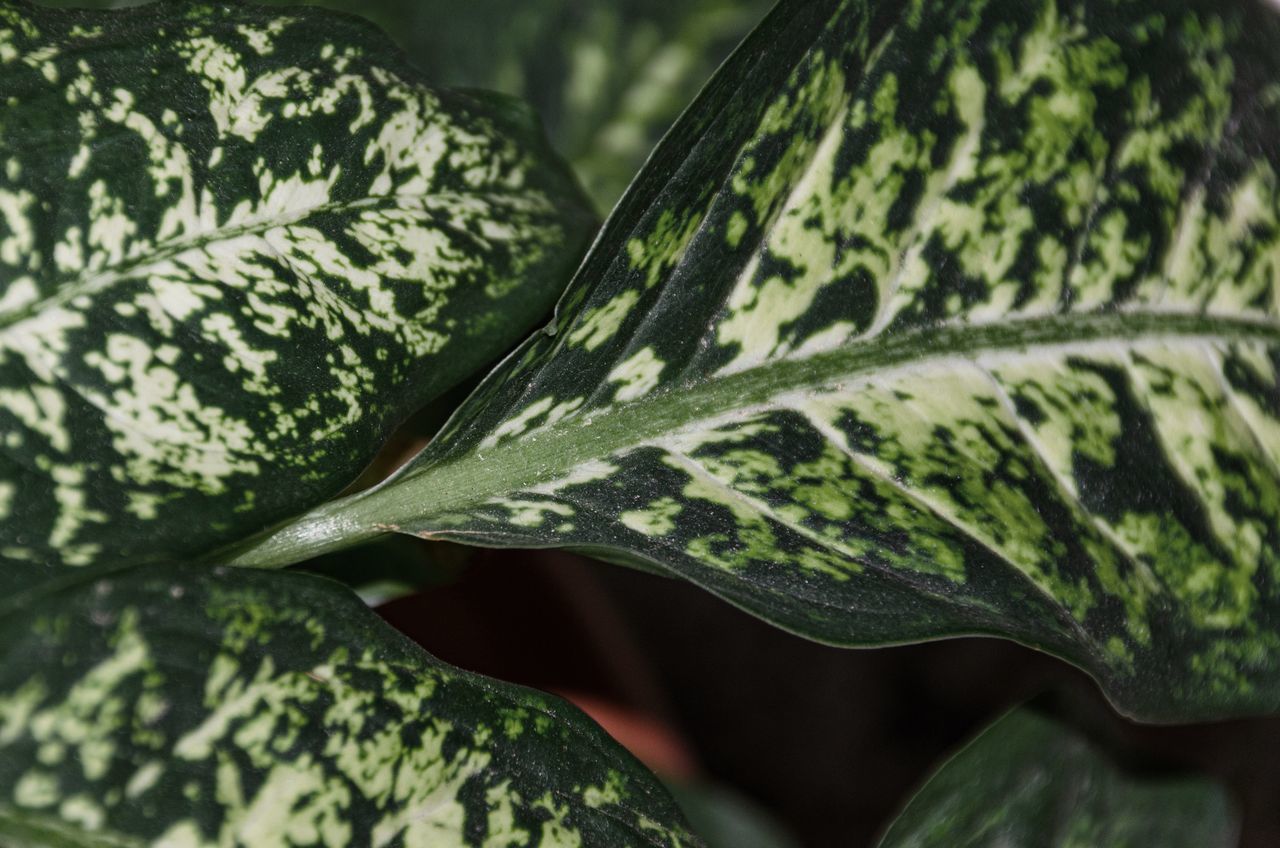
(67, 288)
(442, 484)
(48, 832)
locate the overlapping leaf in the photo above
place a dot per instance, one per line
(929, 318)
(724, 819)
(1029, 781)
(608, 76)
(189, 706)
(237, 245)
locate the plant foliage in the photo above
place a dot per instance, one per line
(1028, 781)
(194, 706)
(234, 259)
(966, 322)
(926, 318)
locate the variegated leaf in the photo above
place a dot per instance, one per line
(183, 706)
(608, 76)
(927, 319)
(1029, 781)
(237, 246)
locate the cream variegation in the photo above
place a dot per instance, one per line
(927, 319)
(622, 70)
(608, 76)
(237, 246)
(184, 706)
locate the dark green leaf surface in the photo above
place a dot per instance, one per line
(237, 245)
(928, 319)
(1028, 781)
(725, 819)
(183, 706)
(608, 76)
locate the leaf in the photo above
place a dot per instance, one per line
(1028, 781)
(927, 319)
(608, 76)
(237, 246)
(725, 819)
(190, 706)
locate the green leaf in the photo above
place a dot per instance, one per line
(725, 819)
(608, 76)
(927, 319)
(237, 246)
(1029, 781)
(190, 706)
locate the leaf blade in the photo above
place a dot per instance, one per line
(967, 323)
(233, 265)
(1028, 780)
(608, 76)
(180, 702)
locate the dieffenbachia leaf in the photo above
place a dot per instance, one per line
(609, 77)
(1029, 781)
(237, 245)
(725, 819)
(928, 318)
(184, 706)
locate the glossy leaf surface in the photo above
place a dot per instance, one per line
(1029, 781)
(183, 706)
(928, 319)
(237, 246)
(609, 77)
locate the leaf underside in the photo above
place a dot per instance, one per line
(196, 707)
(927, 319)
(1027, 781)
(237, 246)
